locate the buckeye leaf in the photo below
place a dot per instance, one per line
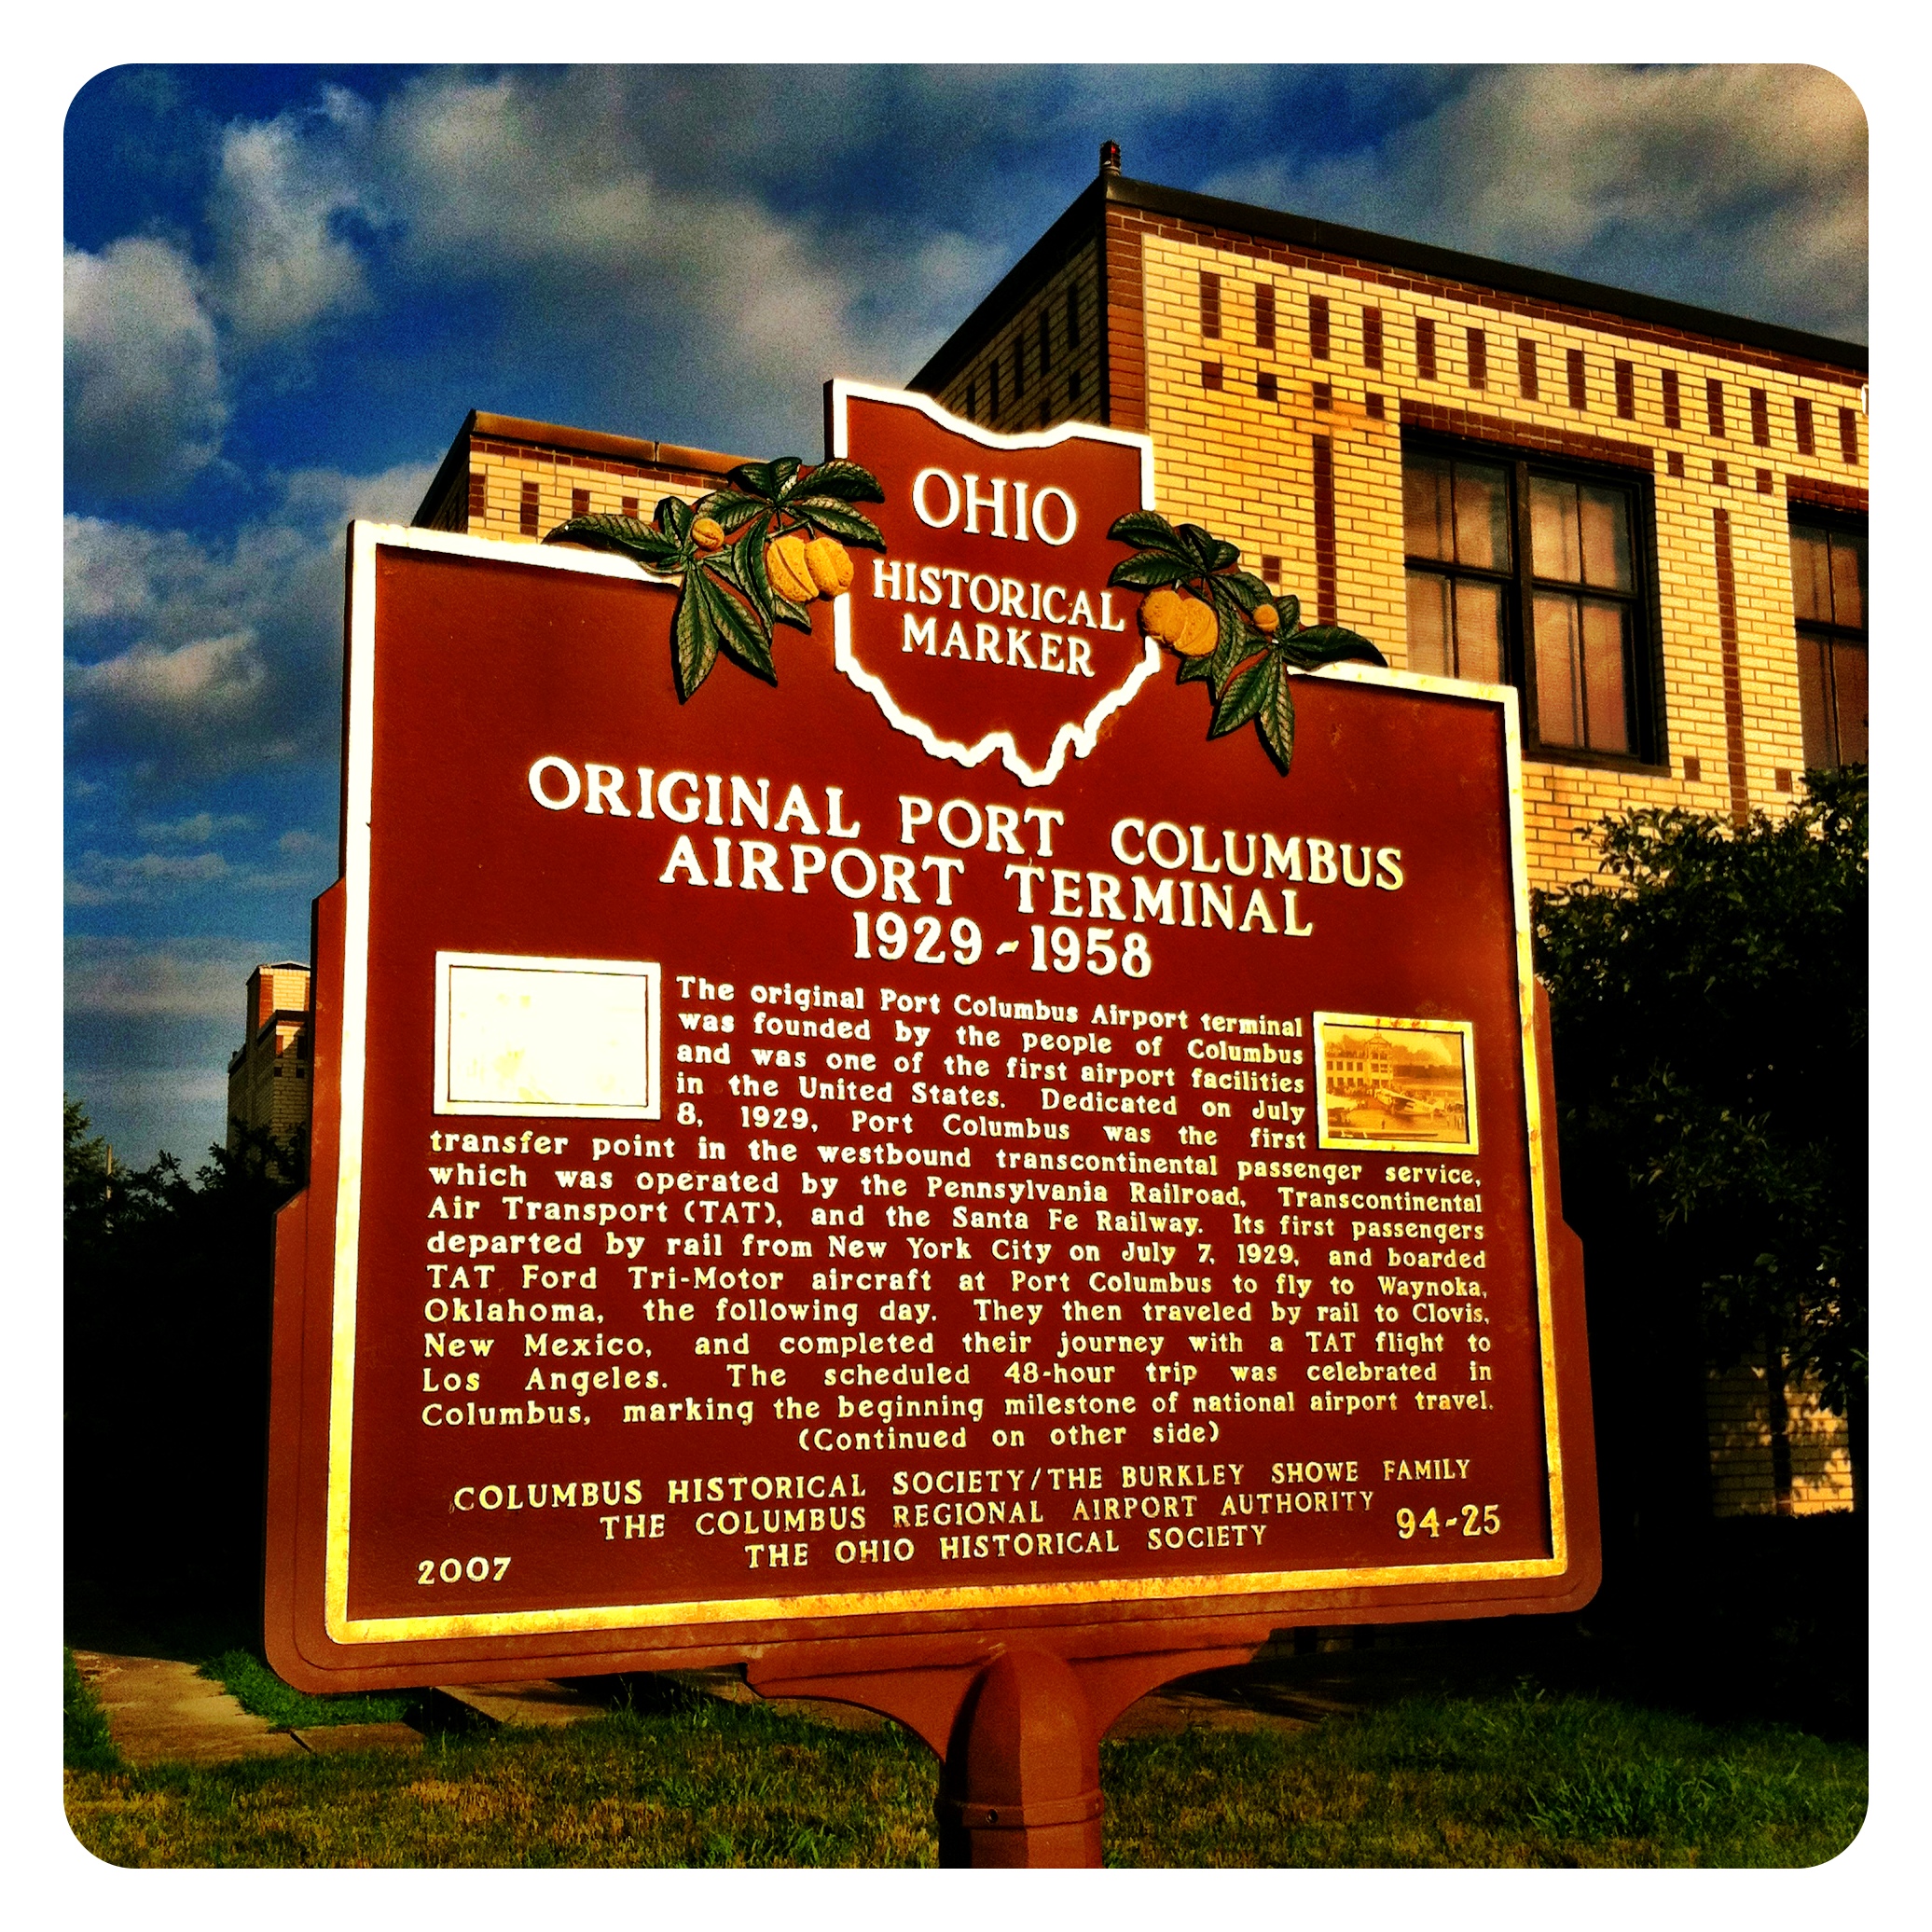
(1328, 644)
(832, 518)
(1147, 529)
(1244, 697)
(1275, 718)
(731, 508)
(694, 635)
(627, 536)
(757, 479)
(1150, 570)
(849, 480)
(674, 518)
(742, 632)
(1251, 591)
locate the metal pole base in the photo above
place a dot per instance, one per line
(1022, 1780)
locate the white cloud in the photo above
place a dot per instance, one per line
(180, 978)
(330, 498)
(195, 654)
(1742, 188)
(198, 828)
(206, 682)
(144, 404)
(282, 192)
(153, 878)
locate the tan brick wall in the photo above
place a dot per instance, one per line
(1242, 464)
(507, 468)
(1737, 1407)
(1041, 400)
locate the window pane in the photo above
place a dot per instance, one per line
(1811, 578)
(1558, 711)
(1603, 677)
(1429, 623)
(1481, 517)
(1848, 583)
(1605, 516)
(1479, 631)
(1554, 548)
(1853, 706)
(1427, 530)
(1814, 703)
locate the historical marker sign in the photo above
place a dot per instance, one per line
(933, 1150)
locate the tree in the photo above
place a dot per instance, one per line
(1708, 1005)
(168, 1304)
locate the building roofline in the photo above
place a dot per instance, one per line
(488, 425)
(1421, 258)
(1034, 267)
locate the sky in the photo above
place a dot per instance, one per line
(285, 286)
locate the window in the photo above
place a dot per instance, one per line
(1529, 574)
(1828, 595)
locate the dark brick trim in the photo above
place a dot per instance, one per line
(1526, 367)
(1828, 495)
(1507, 286)
(1672, 401)
(1319, 327)
(1525, 435)
(1211, 306)
(1626, 390)
(1714, 405)
(1115, 202)
(1124, 337)
(1803, 424)
(1425, 349)
(1324, 530)
(1848, 434)
(1478, 341)
(1733, 679)
(1371, 337)
(1264, 315)
(1761, 419)
(1579, 394)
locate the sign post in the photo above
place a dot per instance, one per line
(915, 1169)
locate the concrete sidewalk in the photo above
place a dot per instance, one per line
(161, 1710)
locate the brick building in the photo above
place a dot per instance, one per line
(268, 1073)
(1646, 516)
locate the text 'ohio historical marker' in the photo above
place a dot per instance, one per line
(930, 1159)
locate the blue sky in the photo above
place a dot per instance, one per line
(284, 287)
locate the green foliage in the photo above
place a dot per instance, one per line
(1516, 1780)
(247, 1678)
(85, 1742)
(1708, 1001)
(1246, 673)
(168, 1282)
(1509, 1780)
(728, 602)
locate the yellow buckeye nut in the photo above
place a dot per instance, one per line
(1199, 631)
(785, 565)
(1265, 619)
(708, 534)
(831, 568)
(1161, 614)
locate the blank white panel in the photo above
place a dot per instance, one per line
(535, 1036)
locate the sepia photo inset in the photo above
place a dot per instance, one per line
(1396, 1085)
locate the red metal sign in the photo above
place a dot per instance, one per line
(789, 1178)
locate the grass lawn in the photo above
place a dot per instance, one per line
(1510, 1779)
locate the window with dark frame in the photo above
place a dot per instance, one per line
(1828, 598)
(1530, 572)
